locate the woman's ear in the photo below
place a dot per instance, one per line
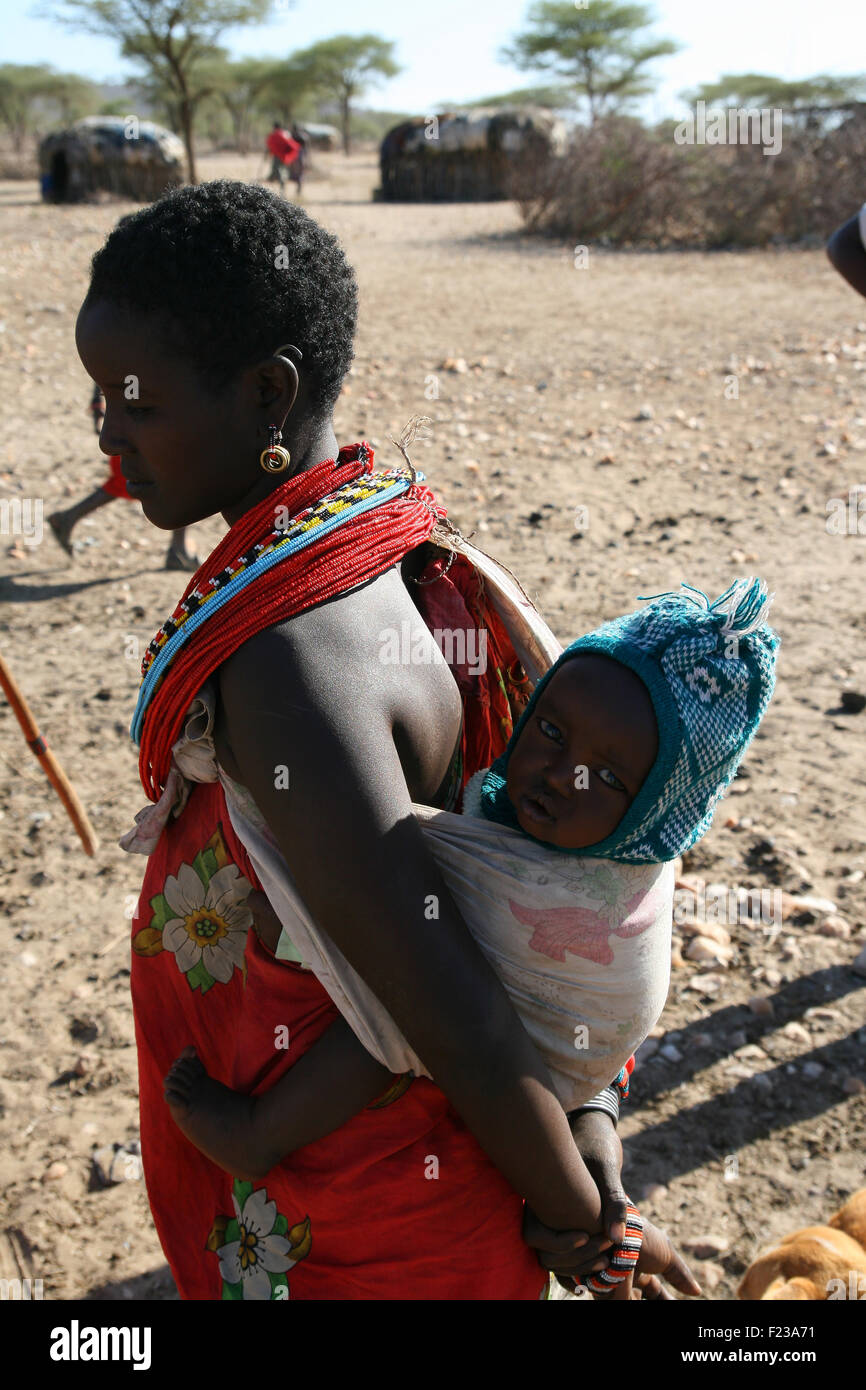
(277, 384)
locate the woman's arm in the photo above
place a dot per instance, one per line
(345, 826)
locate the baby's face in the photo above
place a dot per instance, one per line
(584, 753)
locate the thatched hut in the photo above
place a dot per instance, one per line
(465, 156)
(109, 154)
(320, 137)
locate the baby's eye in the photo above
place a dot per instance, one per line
(610, 780)
(549, 730)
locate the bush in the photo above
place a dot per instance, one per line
(629, 185)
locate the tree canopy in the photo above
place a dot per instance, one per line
(596, 49)
(347, 65)
(32, 94)
(174, 40)
(761, 89)
(553, 97)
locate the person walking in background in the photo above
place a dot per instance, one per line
(285, 151)
(298, 166)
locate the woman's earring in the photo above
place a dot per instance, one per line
(274, 459)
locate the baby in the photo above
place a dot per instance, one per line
(614, 770)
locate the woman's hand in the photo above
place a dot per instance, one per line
(599, 1145)
(575, 1254)
(658, 1256)
(579, 1253)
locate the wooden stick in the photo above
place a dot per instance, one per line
(54, 772)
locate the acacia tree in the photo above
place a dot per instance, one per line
(73, 95)
(760, 89)
(31, 93)
(22, 88)
(171, 39)
(346, 65)
(808, 100)
(238, 86)
(553, 98)
(594, 48)
(292, 83)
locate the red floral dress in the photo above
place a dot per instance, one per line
(401, 1202)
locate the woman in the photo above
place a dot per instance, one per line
(236, 313)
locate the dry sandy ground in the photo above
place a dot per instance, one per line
(748, 371)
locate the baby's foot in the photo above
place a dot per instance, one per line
(62, 531)
(217, 1120)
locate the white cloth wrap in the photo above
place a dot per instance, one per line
(581, 945)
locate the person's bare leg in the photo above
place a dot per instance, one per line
(178, 557)
(61, 523)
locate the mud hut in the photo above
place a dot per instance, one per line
(320, 137)
(465, 156)
(109, 154)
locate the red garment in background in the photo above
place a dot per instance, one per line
(115, 483)
(282, 146)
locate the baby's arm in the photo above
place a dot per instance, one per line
(250, 1135)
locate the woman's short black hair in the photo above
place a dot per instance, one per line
(234, 272)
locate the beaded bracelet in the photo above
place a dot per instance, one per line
(622, 1080)
(607, 1101)
(624, 1258)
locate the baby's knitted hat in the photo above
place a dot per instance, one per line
(710, 669)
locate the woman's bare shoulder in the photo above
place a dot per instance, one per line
(333, 638)
(337, 661)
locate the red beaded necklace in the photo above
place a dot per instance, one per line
(361, 548)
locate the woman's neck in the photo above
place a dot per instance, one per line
(322, 444)
(318, 443)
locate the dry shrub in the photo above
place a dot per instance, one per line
(628, 185)
(18, 166)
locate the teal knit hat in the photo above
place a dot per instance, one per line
(710, 669)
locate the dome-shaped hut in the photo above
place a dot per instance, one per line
(110, 154)
(468, 156)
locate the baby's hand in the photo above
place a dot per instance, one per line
(658, 1256)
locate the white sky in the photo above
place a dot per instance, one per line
(448, 48)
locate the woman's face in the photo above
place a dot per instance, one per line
(584, 753)
(186, 452)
